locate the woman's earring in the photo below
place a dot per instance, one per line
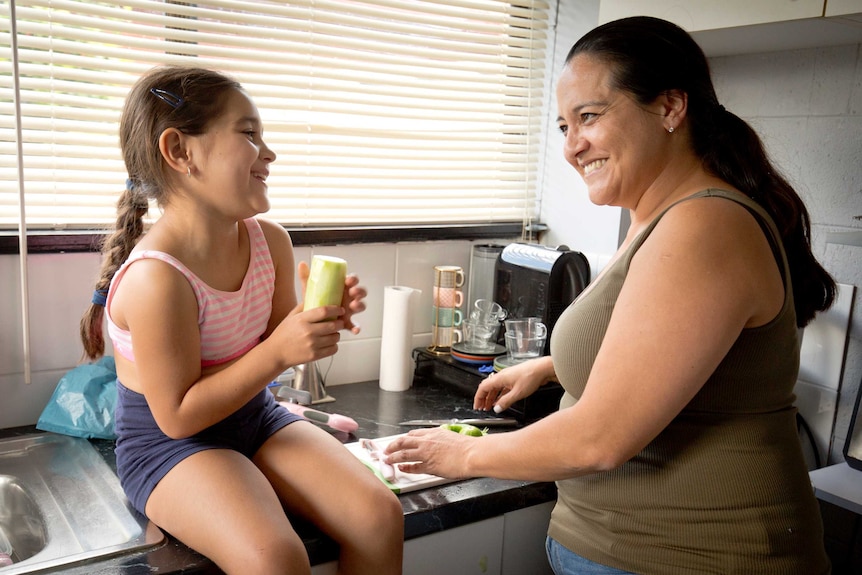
(670, 130)
(189, 168)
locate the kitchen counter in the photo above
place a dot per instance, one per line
(377, 412)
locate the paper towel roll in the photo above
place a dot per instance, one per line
(396, 345)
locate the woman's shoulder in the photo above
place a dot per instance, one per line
(722, 230)
(712, 211)
(711, 229)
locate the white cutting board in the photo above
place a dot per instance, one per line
(405, 482)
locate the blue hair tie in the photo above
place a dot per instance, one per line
(100, 297)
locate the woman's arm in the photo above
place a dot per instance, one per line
(705, 273)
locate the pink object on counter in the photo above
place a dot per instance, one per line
(333, 420)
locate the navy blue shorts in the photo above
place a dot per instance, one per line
(145, 454)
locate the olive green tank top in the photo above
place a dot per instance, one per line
(724, 488)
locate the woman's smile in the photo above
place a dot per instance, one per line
(593, 166)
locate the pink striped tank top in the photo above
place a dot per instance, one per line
(230, 323)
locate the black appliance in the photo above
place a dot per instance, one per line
(539, 281)
(530, 281)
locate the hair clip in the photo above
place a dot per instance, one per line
(172, 99)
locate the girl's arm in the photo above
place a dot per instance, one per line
(160, 309)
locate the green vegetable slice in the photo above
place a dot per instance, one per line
(465, 429)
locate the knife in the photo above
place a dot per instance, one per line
(478, 422)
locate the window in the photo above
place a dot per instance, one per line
(391, 112)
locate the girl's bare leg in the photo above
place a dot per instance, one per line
(218, 503)
(317, 478)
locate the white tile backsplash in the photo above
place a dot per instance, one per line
(374, 264)
(56, 306)
(55, 317)
(416, 263)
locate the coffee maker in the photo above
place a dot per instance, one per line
(530, 280)
(539, 281)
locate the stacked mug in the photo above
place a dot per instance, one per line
(447, 316)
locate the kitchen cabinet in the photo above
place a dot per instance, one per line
(725, 27)
(843, 7)
(475, 548)
(700, 15)
(524, 534)
(509, 544)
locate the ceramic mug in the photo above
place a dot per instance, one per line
(448, 276)
(448, 297)
(444, 336)
(447, 316)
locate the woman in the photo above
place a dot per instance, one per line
(203, 315)
(675, 448)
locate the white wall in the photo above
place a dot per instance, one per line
(807, 105)
(573, 220)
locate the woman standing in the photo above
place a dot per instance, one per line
(675, 448)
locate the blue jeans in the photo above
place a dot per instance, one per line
(564, 562)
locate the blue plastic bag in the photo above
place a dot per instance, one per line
(83, 402)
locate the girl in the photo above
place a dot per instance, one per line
(203, 315)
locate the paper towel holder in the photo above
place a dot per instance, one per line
(308, 378)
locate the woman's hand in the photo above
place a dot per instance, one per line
(500, 390)
(437, 451)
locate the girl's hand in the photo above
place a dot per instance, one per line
(436, 451)
(353, 302)
(308, 335)
(500, 390)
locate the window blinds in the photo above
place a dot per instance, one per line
(381, 111)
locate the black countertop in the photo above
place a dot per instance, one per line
(377, 412)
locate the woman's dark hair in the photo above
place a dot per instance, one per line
(187, 99)
(649, 57)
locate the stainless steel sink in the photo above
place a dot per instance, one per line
(61, 504)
